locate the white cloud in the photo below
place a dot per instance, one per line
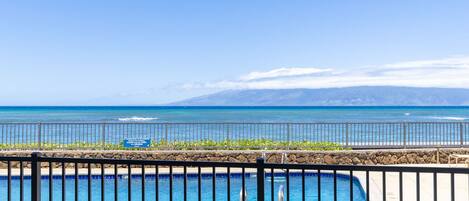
(447, 72)
(454, 62)
(283, 72)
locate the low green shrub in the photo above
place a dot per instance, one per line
(257, 144)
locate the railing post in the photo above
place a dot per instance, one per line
(35, 176)
(39, 133)
(288, 135)
(347, 135)
(260, 179)
(404, 127)
(461, 134)
(103, 132)
(166, 133)
(227, 132)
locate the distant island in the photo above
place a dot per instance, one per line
(347, 96)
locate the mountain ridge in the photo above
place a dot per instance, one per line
(346, 96)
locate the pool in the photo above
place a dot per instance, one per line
(311, 179)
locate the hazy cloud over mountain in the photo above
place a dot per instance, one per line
(446, 72)
(283, 73)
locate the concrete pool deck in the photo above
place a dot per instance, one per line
(376, 189)
(410, 185)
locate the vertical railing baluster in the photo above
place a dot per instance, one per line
(287, 174)
(453, 197)
(272, 186)
(335, 184)
(89, 182)
(367, 176)
(461, 134)
(2, 130)
(76, 181)
(417, 181)
(185, 183)
(103, 135)
(102, 182)
(51, 189)
(404, 127)
(9, 180)
(35, 177)
(351, 185)
(243, 184)
(214, 176)
(384, 185)
(39, 133)
(401, 187)
(319, 185)
(435, 187)
(21, 181)
(157, 180)
(143, 182)
(228, 184)
(63, 181)
(347, 135)
(170, 183)
(199, 183)
(227, 132)
(129, 182)
(116, 192)
(288, 136)
(303, 189)
(260, 179)
(464, 131)
(166, 133)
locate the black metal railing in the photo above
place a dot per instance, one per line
(110, 179)
(47, 136)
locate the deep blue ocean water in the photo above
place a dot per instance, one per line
(311, 192)
(231, 114)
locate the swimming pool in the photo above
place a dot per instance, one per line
(311, 179)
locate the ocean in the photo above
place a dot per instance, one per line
(231, 114)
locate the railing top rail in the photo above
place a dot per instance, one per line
(12, 158)
(148, 162)
(371, 168)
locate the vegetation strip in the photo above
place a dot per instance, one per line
(260, 144)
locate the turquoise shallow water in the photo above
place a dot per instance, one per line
(311, 192)
(231, 114)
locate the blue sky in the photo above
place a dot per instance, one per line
(153, 52)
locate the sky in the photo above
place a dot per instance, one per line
(155, 52)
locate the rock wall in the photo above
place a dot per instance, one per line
(356, 157)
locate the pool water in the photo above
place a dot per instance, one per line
(327, 193)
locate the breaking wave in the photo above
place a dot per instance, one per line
(451, 118)
(137, 119)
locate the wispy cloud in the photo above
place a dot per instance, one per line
(447, 72)
(453, 62)
(283, 73)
